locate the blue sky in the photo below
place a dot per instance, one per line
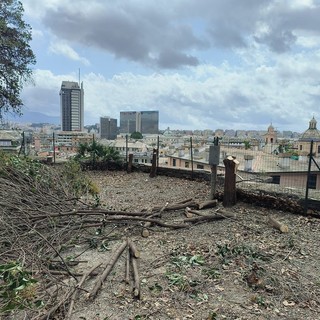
(204, 64)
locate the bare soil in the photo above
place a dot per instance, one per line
(238, 268)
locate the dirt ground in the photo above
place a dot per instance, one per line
(239, 268)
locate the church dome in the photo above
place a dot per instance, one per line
(312, 133)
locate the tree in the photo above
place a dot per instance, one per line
(136, 135)
(247, 144)
(97, 151)
(15, 55)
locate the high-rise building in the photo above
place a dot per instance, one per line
(128, 120)
(108, 128)
(149, 122)
(146, 122)
(72, 106)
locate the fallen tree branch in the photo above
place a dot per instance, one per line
(136, 288)
(157, 222)
(75, 293)
(127, 273)
(145, 232)
(217, 216)
(107, 270)
(177, 206)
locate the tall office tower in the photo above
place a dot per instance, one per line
(149, 122)
(72, 106)
(108, 128)
(146, 122)
(128, 121)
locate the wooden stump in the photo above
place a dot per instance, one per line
(129, 168)
(229, 196)
(154, 164)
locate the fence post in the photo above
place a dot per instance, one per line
(154, 164)
(129, 167)
(191, 158)
(308, 179)
(230, 195)
(214, 158)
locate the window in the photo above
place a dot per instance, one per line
(136, 160)
(5, 143)
(173, 162)
(200, 166)
(186, 164)
(275, 179)
(300, 147)
(312, 183)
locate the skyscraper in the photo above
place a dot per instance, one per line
(72, 106)
(149, 122)
(141, 121)
(108, 128)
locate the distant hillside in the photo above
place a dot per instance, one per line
(34, 117)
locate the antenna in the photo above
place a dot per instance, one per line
(79, 76)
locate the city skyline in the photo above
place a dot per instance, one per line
(182, 59)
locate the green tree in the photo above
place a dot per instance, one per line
(15, 55)
(97, 151)
(247, 144)
(136, 135)
(112, 154)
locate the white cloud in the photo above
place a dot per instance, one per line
(207, 97)
(62, 48)
(224, 64)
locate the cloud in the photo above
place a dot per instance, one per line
(150, 33)
(61, 47)
(202, 64)
(207, 97)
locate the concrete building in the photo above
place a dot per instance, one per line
(10, 141)
(108, 128)
(146, 122)
(72, 106)
(67, 141)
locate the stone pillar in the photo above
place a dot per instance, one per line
(248, 161)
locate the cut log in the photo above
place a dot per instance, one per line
(197, 212)
(133, 249)
(107, 270)
(145, 232)
(136, 288)
(278, 225)
(188, 213)
(208, 204)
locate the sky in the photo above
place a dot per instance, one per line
(204, 64)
